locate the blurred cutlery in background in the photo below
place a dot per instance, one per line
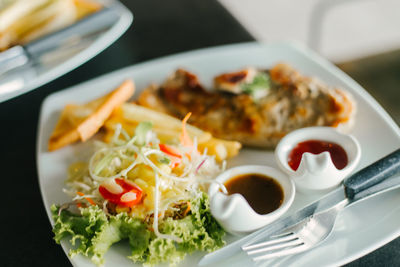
(20, 55)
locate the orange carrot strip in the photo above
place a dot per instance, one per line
(174, 162)
(185, 138)
(87, 198)
(171, 151)
(187, 209)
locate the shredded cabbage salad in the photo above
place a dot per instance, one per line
(147, 192)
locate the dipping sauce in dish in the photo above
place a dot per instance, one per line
(338, 155)
(263, 193)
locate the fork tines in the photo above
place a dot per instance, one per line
(281, 245)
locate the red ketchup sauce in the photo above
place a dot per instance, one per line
(338, 155)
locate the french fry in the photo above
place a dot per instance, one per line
(86, 7)
(80, 122)
(17, 10)
(134, 113)
(22, 21)
(222, 149)
(55, 16)
(168, 129)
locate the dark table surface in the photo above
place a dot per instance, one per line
(160, 28)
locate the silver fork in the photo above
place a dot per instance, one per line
(298, 238)
(314, 229)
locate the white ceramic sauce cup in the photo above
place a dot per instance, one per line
(317, 173)
(233, 211)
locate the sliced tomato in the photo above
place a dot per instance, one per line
(129, 200)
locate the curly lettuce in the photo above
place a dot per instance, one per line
(92, 233)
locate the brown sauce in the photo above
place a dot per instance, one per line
(263, 193)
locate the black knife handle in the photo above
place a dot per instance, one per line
(363, 180)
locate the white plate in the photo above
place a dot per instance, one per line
(56, 63)
(360, 229)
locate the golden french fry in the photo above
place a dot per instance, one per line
(168, 129)
(222, 149)
(134, 113)
(83, 121)
(23, 21)
(86, 7)
(16, 11)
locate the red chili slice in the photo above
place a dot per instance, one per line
(128, 187)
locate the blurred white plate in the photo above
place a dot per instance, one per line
(64, 59)
(360, 229)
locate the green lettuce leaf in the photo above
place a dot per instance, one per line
(199, 231)
(92, 233)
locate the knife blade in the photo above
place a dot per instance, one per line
(20, 55)
(366, 183)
